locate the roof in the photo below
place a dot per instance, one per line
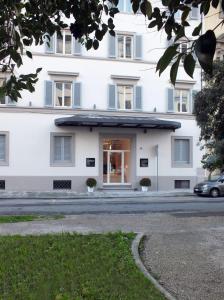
(93, 120)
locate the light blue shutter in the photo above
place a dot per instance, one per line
(193, 93)
(50, 45)
(128, 6)
(10, 101)
(170, 101)
(138, 97)
(112, 97)
(48, 101)
(76, 94)
(77, 47)
(112, 46)
(121, 5)
(138, 47)
(194, 13)
(2, 147)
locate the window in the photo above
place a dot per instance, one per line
(181, 100)
(62, 149)
(2, 98)
(125, 6)
(181, 184)
(63, 94)
(125, 97)
(125, 46)
(64, 43)
(181, 151)
(4, 141)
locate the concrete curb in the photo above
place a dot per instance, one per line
(135, 253)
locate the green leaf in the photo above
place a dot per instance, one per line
(189, 65)
(197, 30)
(185, 14)
(152, 24)
(165, 60)
(174, 69)
(29, 54)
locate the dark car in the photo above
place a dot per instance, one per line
(213, 187)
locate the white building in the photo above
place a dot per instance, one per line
(104, 114)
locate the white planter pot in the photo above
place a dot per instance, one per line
(90, 189)
(145, 188)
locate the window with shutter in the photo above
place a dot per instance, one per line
(124, 46)
(125, 97)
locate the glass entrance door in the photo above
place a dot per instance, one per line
(116, 161)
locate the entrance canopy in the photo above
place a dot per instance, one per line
(92, 120)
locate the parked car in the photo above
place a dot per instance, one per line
(213, 187)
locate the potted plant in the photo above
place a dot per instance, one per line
(91, 183)
(145, 183)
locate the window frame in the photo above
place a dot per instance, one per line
(5, 162)
(125, 36)
(181, 97)
(54, 163)
(117, 98)
(176, 164)
(63, 82)
(64, 32)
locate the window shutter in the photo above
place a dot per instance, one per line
(170, 104)
(76, 94)
(128, 6)
(112, 46)
(138, 97)
(48, 93)
(193, 93)
(112, 97)
(138, 47)
(77, 47)
(9, 101)
(121, 5)
(2, 147)
(50, 44)
(194, 13)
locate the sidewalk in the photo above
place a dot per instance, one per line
(94, 195)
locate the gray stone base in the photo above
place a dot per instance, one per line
(45, 183)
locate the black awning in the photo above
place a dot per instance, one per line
(92, 120)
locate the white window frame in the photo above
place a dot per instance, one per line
(5, 162)
(62, 163)
(179, 164)
(117, 98)
(63, 93)
(188, 100)
(124, 45)
(64, 32)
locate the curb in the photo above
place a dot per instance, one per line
(138, 261)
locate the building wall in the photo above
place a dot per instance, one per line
(30, 124)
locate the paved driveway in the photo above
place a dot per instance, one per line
(186, 253)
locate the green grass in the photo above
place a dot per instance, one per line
(27, 218)
(71, 267)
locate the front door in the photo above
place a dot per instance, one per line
(116, 162)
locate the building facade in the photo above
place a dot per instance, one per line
(104, 114)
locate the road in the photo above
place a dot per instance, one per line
(188, 206)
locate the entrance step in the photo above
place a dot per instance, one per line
(117, 188)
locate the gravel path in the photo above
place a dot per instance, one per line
(189, 264)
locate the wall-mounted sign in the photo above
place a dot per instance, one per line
(144, 162)
(90, 162)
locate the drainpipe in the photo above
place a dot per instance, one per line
(157, 167)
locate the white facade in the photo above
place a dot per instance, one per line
(30, 148)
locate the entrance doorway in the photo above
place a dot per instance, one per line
(116, 161)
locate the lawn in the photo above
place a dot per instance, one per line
(26, 218)
(71, 267)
